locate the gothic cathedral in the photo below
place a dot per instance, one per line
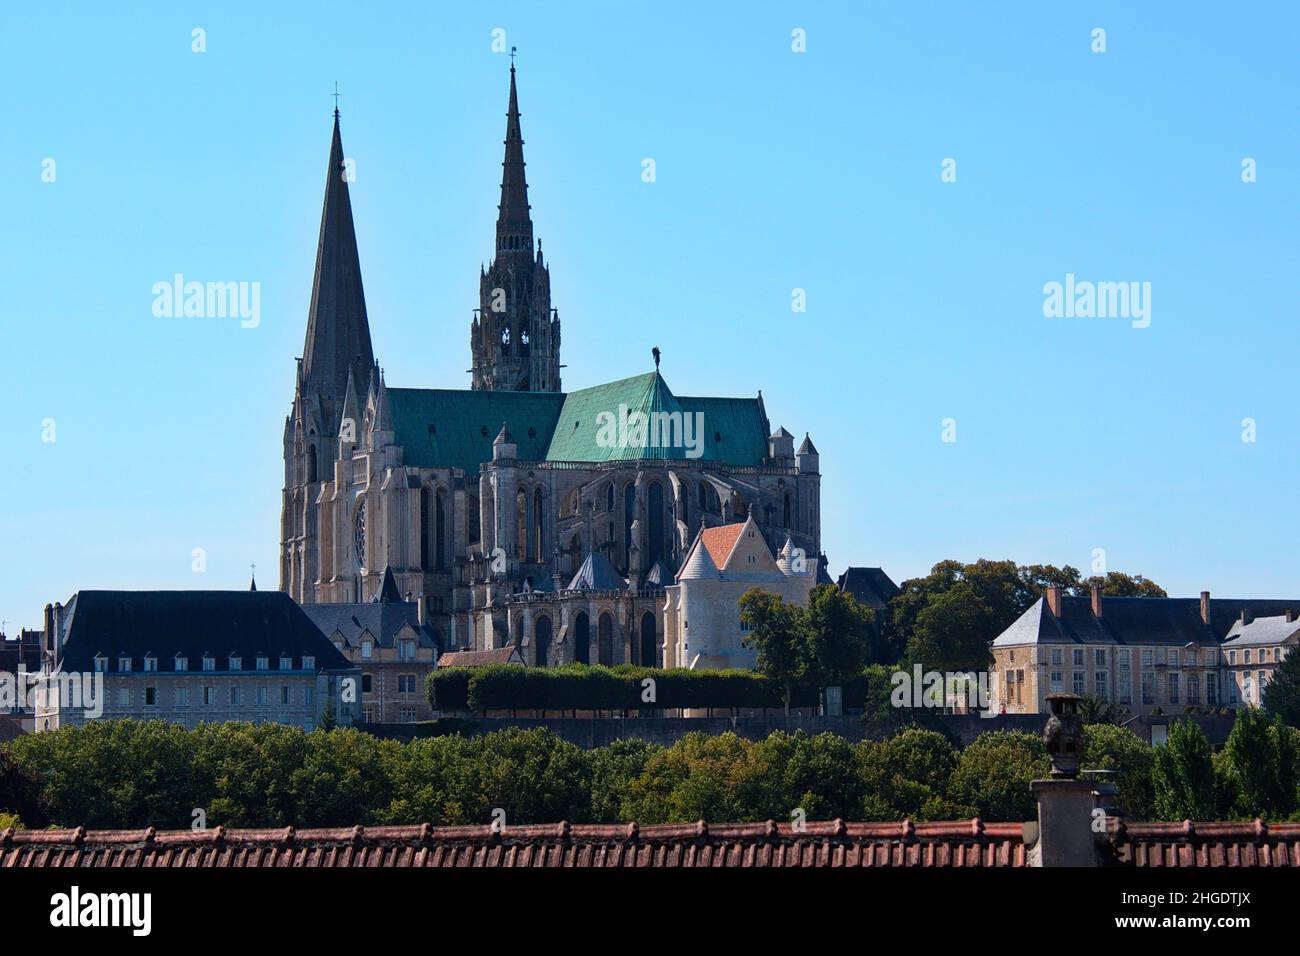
(514, 513)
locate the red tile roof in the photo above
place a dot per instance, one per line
(501, 655)
(720, 540)
(1190, 844)
(969, 843)
(836, 844)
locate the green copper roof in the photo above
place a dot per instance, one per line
(454, 428)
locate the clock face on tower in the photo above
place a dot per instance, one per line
(359, 535)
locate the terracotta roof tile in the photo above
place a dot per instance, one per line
(720, 540)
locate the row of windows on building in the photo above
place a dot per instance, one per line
(406, 683)
(1177, 691)
(405, 649)
(181, 663)
(1171, 657)
(211, 696)
(405, 715)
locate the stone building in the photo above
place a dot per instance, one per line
(1253, 650)
(1141, 653)
(193, 657)
(486, 502)
(390, 640)
(702, 626)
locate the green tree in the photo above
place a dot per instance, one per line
(993, 775)
(777, 631)
(953, 631)
(1282, 692)
(20, 792)
(1258, 767)
(1119, 584)
(838, 635)
(1107, 747)
(613, 769)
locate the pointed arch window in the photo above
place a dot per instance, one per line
(521, 526)
(537, 526)
(440, 530)
(785, 511)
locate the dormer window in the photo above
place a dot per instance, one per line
(308, 662)
(101, 663)
(209, 662)
(182, 663)
(263, 663)
(367, 650)
(150, 663)
(124, 664)
(286, 663)
(236, 663)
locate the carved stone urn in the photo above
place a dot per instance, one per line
(1063, 735)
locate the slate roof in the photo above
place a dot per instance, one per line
(456, 428)
(244, 624)
(597, 574)
(500, 655)
(1151, 621)
(1262, 630)
(871, 587)
(383, 621)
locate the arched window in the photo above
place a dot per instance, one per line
(582, 638)
(426, 529)
(704, 496)
(785, 512)
(471, 517)
(440, 531)
(649, 644)
(537, 526)
(685, 516)
(542, 640)
(521, 526)
(629, 512)
(505, 341)
(605, 639)
(655, 525)
(311, 463)
(609, 497)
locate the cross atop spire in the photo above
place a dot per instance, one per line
(336, 94)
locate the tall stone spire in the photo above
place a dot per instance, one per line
(515, 336)
(514, 224)
(338, 332)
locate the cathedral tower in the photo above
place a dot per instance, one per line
(515, 335)
(336, 354)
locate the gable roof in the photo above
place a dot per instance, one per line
(456, 427)
(871, 587)
(1262, 630)
(720, 541)
(190, 624)
(1150, 621)
(597, 574)
(383, 621)
(500, 655)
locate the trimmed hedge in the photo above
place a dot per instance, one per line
(579, 687)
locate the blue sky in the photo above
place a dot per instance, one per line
(776, 170)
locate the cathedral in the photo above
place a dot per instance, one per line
(513, 513)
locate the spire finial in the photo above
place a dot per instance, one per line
(336, 94)
(512, 59)
(252, 582)
(655, 352)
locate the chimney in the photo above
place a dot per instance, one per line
(1096, 600)
(1054, 599)
(1290, 616)
(1247, 615)
(1064, 833)
(49, 628)
(1205, 608)
(422, 609)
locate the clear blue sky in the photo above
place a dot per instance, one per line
(775, 170)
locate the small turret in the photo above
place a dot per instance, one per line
(806, 458)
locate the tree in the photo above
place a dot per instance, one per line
(993, 775)
(20, 792)
(1119, 584)
(1282, 693)
(838, 636)
(953, 631)
(1184, 775)
(613, 768)
(1107, 747)
(327, 719)
(778, 632)
(1258, 767)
